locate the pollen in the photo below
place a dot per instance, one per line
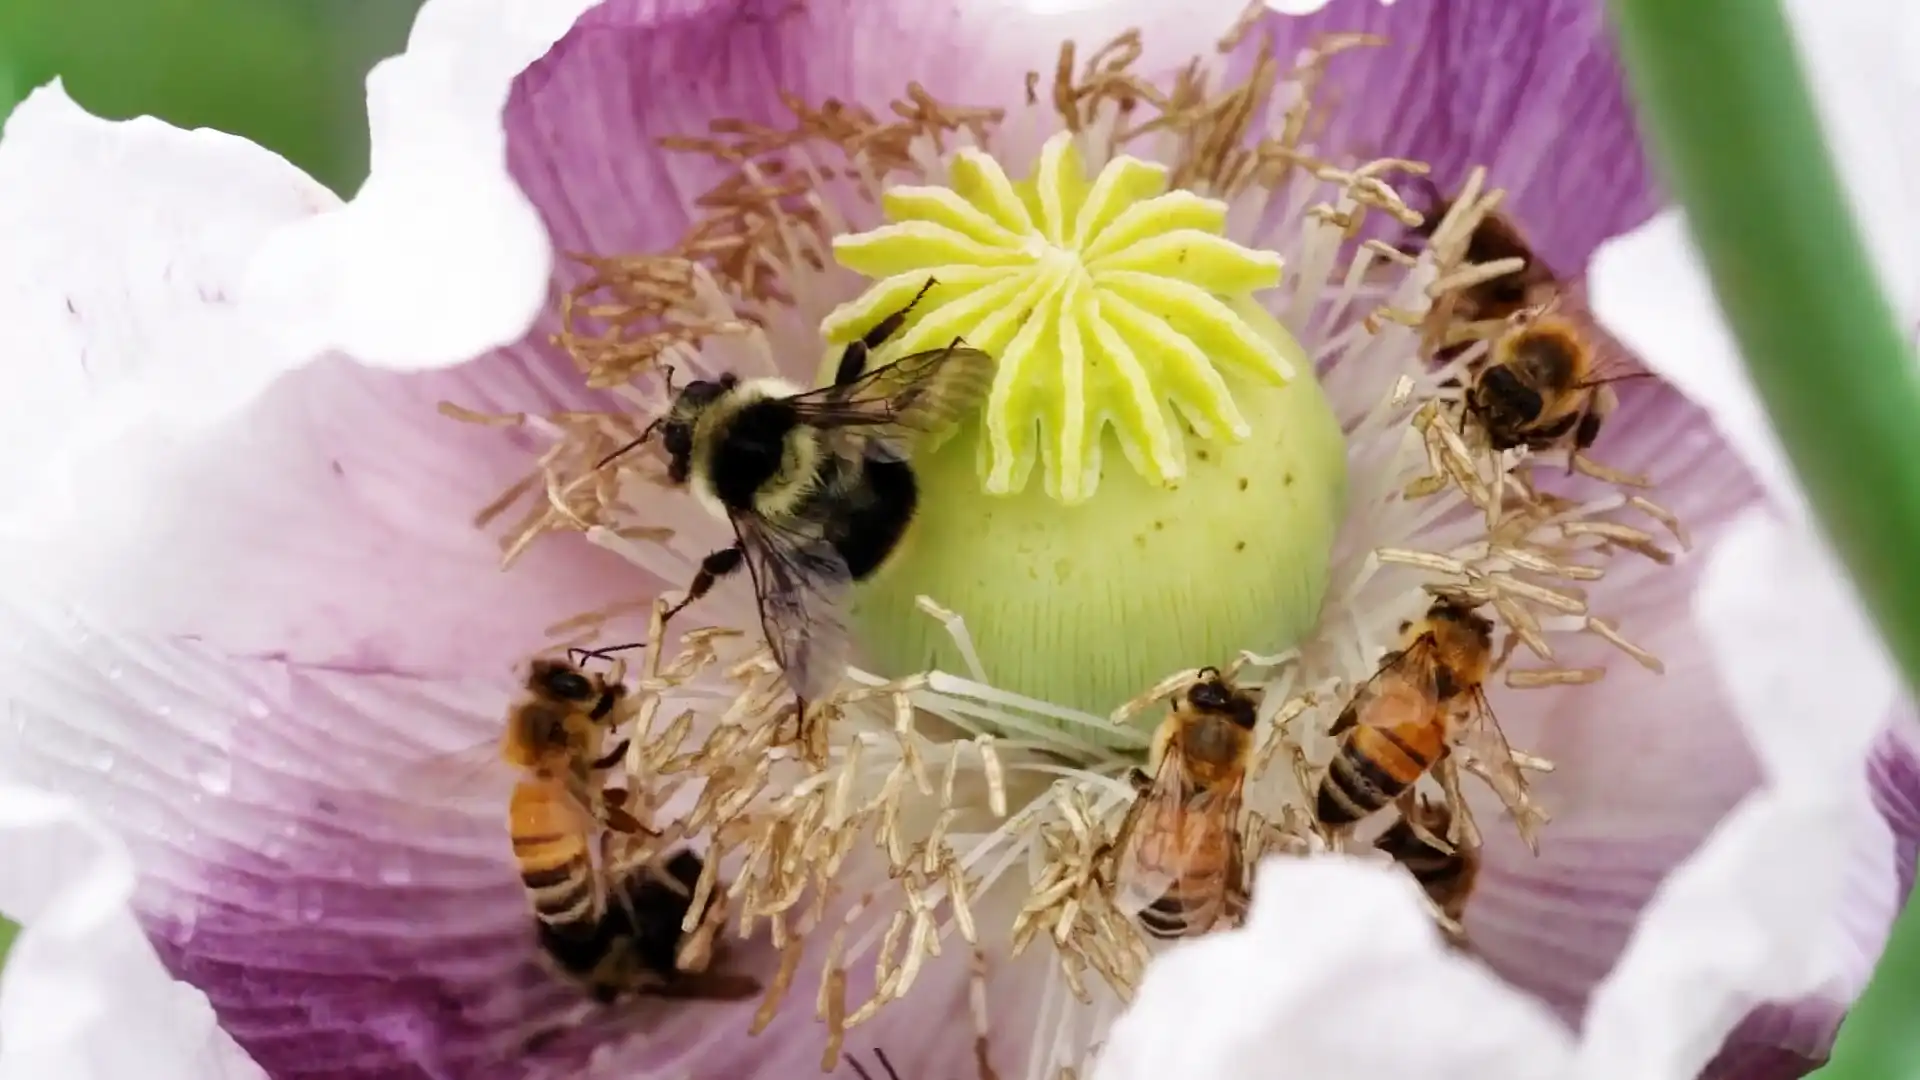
(1111, 303)
(963, 792)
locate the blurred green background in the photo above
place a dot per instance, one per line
(287, 74)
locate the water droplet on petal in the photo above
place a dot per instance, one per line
(214, 775)
(310, 904)
(258, 709)
(395, 873)
(100, 758)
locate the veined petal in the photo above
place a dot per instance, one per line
(330, 523)
(1450, 88)
(340, 921)
(83, 996)
(584, 130)
(125, 245)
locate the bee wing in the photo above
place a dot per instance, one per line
(1483, 741)
(801, 584)
(890, 406)
(1611, 359)
(1413, 666)
(456, 777)
(1178, 822)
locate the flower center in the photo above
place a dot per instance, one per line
(1298, 475)
(1109, 303)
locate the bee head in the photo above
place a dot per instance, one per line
(1456, 614)
(1500, 398)
(562, 681)
(1212, 694)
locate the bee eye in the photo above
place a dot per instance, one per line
(571, 686)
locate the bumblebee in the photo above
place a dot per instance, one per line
(815, 483)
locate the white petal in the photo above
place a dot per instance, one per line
(1806, 672)
(440, 256)
(83, 996)
(1756, 915)
(1254, 1003)
(122, 247)
(1652, 290)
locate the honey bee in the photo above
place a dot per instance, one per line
(1426, 697)
(1180, 847)
(1541, 386)
(1495, 237)
(634, 946)
(554, 738)
(1445, 871)
(815, 483)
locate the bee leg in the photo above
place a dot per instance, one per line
(853, 362)
(715, 566)
(612, 757)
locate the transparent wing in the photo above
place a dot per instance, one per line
(1485, 745)
(1611, 359)
(1404, 678)
(890, 406)
(801, 584)
(1170, 827)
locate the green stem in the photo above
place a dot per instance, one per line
(1728, 114)
(1727, 111)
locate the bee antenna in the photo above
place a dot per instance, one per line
(645, 435)
(1210, 674)
(885, 1064)
(584, 655)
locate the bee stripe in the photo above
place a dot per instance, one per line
(1353, 788)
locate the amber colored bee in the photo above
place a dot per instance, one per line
(1541, 386)
(635, 945)
(1406, 718)
(1445, 870)
(554, 738)
(1496, 237)
(1180, 845)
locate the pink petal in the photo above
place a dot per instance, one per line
(584, 123)
(338, 927)
(1530, 91)
(83, 996)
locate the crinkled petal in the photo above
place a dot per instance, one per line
(125, 245)
(340, 926)
(1532, 91)
(83, 996)
(439, 257)
(1253, 1003)
(1749, 919)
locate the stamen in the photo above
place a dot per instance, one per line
(1024, 782)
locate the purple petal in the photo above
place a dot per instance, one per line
(1532, 91)
(340, 928)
